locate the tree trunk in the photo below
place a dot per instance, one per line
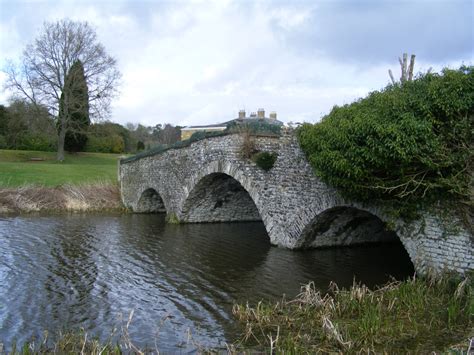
(412, 65)
(61, 139)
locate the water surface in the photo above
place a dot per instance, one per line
(91, 271)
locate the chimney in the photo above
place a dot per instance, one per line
(261, 113)
(273, 115)
(253, 115)
(242, 114)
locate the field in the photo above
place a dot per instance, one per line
(19, 167)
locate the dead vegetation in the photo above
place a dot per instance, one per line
(65, 198)
(413, 316)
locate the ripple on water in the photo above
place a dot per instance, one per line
(66, 272)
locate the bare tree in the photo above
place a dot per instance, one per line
(406, 71)
(169, 134)
(45, 64)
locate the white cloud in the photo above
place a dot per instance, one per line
(200, 62)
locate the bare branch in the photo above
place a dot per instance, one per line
(46, 62)
(391, 76)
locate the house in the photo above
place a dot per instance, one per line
(257, 117)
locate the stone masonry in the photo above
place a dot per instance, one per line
(209, 181)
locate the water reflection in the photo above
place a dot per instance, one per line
(91, 271)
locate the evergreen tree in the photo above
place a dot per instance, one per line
(76, 95)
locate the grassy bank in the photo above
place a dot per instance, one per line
(20, 167)
(415, 316)
(35, 182)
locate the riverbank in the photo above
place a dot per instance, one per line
(413, 316)
(33, 181)
(85, 197)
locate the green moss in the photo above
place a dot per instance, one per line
(172, 218)
(265, 160)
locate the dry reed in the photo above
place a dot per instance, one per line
(66, 198)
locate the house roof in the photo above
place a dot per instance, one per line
(237, 120)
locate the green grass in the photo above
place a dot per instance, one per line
(17, 168)
(414, 316)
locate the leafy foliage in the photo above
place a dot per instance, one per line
(27, 127)
(140, 146)
(408, 143)
(265, 160)
(107, 137)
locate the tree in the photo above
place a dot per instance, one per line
(169, 134)
(406, 71)
(28, 126)
(45, 64)
(78, 96)
(140, 146)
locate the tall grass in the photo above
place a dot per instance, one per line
(81, 342)
(417, 315)
(99, 196)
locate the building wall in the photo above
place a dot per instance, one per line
(186, 133)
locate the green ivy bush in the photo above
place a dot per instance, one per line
(407, 143)
(265, 160)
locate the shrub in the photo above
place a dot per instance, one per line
(140, 146)
(38, 142)
(408, 143)
(265, 160)
(105, 144)
(3, 142)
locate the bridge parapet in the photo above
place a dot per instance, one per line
(209, 181)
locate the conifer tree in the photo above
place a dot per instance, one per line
(75, 97)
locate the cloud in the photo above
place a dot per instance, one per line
(198, 62)
(368, 32)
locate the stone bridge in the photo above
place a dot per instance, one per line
(209, 181)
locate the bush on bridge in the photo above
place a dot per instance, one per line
(265, 160)
(407, 143)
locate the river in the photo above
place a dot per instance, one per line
(70, 271)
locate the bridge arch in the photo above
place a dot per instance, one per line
(220, 192)
(345, 225)
(150, 201)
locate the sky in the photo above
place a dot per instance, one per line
(200, 62)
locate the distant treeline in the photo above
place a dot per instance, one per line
(24, 126)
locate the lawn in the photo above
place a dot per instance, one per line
(20, 167)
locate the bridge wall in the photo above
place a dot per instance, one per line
(209, 181)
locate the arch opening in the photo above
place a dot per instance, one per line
(375, 246)
(150, 202)
(218, 197)
(344, 226)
